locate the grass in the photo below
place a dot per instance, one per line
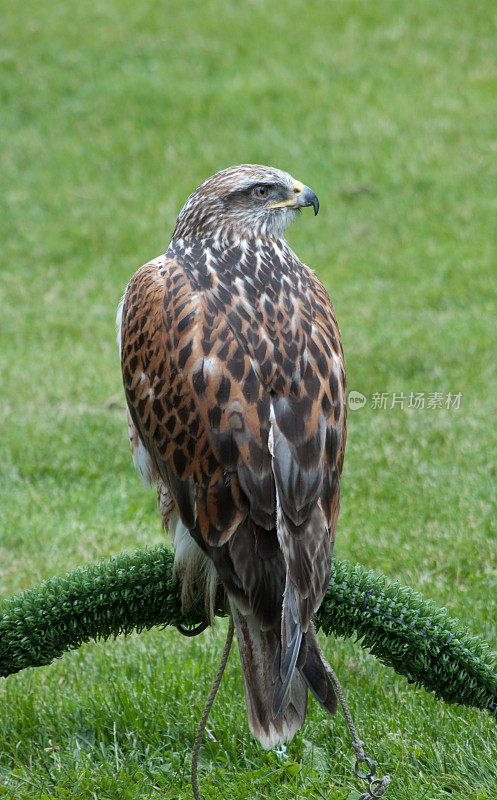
(111, 114)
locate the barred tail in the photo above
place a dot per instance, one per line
(260, 655)
(299, 653)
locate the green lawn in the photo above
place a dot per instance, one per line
(111, 113)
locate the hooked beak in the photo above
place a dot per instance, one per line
(302, 196)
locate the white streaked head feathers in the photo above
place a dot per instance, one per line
(226, 206)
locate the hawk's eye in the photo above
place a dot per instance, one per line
(260, 192)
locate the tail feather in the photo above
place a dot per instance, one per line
(315, 674)
(288, 652)
(259, 655)
(312, 666)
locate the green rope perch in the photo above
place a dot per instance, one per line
(135, 591)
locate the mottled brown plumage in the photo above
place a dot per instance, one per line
(235, 383)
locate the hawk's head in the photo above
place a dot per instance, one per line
(242, 202)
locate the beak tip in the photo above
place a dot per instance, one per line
(310, 198)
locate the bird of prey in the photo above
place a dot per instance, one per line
(234, 378)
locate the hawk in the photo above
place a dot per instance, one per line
(234, 378)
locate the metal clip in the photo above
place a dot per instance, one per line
(365, 776)
(377, 786)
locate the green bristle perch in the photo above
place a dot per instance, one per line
(136, 591)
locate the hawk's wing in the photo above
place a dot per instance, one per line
(234, 378)
(195, 401)
(235, 383)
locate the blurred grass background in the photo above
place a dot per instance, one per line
(111, 114)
